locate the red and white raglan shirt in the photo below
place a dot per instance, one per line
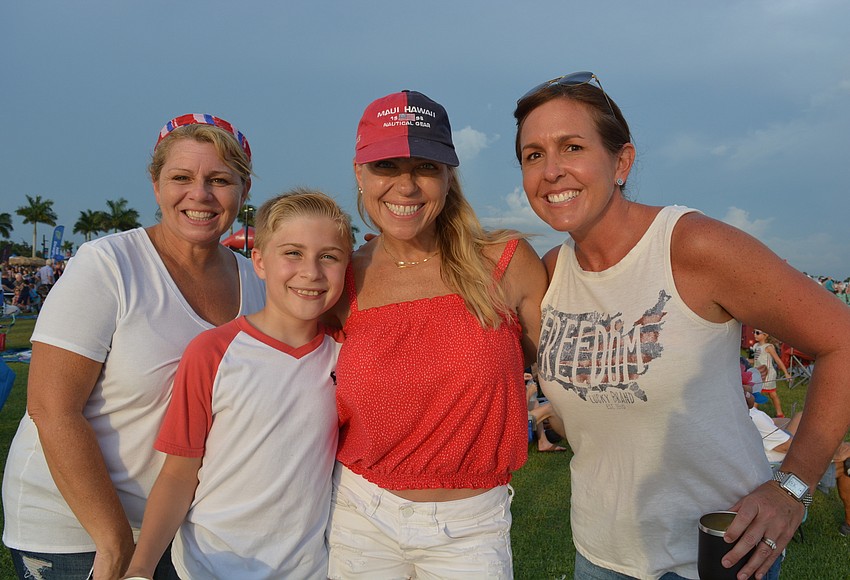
(263, 417)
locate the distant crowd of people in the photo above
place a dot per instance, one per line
(26, 286)
(840, 288)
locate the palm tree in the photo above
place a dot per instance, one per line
(6, 225)
(68, 247)
(120, 217)
(88, 224)
(101, 222)
(39, 211)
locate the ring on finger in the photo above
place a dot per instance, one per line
(770, 543)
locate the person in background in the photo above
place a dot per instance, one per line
(545, 427)
(764, 357)
(844, 293)
(439, 318)
(639, 353)
(234, 487)
(45, 275)
(105, 349)
(8, 281)
(21, 292)
(777, 435)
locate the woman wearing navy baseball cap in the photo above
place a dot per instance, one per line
(440, 320)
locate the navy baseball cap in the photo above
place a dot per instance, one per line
(405, 124)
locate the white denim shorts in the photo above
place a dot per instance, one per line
(376, 534)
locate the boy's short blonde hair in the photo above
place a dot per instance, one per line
(300, 202)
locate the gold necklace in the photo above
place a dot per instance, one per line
(402, 264)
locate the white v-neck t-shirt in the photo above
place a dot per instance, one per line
(116, 303)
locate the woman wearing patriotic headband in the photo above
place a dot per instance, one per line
(105, 349)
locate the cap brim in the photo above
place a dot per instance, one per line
(405, 146)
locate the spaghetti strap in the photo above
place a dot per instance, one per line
(507, 255)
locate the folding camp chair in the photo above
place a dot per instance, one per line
(798, 363)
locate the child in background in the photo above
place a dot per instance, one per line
(251, 430)
(764, 355)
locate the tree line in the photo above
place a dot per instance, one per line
(116, 218)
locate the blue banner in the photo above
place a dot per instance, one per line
(56, 245)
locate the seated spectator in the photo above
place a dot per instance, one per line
(844, 292)
(8, 281)
(828, 283)
(21, 298)
(753, 379)
(547, 427)
(776, 436)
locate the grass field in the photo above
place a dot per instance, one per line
(541, 537)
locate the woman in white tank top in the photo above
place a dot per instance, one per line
(639, 352)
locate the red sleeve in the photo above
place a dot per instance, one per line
(188, 419)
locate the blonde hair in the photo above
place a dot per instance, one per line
(465, 268)
(300, 202)
(225, 144)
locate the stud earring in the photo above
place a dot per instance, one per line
(620, 182)
(360, 190)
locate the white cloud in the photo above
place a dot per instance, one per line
(683, 147)
(815, 124)
(815, 251)
(814, 254)
(516, 214)
(758, 228)
(777, 140)
(791, 8)
(470, 142)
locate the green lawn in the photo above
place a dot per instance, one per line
(541, 536)
(12, 412)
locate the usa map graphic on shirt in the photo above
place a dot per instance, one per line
(601, 356)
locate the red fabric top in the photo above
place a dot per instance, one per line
(427, 398)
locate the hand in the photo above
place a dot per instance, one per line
(110, 565)
(768, 512)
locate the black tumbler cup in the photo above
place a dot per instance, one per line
(712, 547)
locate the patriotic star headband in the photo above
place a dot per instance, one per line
(202, 119)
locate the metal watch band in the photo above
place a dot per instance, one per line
(780, 477)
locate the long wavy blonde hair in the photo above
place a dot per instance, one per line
(464, 266)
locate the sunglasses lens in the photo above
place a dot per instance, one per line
(577, 78)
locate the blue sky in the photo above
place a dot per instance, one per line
(738, 108)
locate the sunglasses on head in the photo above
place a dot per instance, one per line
(572, 79)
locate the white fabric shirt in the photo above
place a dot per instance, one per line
(263, 417)
(116, 304)
(771, 435)
(651, 398)
(45, 274)
(762, 357)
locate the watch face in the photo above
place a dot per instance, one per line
(795, 485)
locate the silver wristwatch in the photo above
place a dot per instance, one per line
(794, 486)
